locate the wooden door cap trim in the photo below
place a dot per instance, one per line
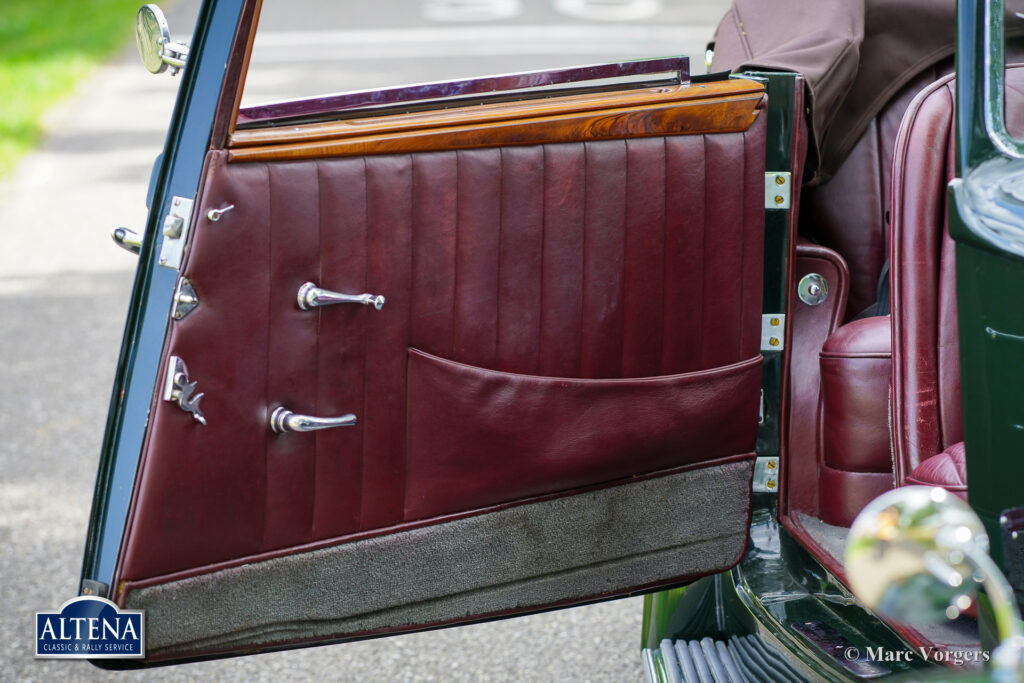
(715, 107)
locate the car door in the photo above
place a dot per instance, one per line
(395, 367)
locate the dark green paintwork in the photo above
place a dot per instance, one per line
(989, 296)
(658, 609)
(780, 88)
(990, 274)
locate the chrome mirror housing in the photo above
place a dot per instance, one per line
(153, 38)
(906, 555)
(920, 553)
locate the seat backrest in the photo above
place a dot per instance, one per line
(848, 213)
(925, 406)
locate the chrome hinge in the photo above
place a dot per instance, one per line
(776, 190)
(773, 332)
(175, 230)
(766, 474)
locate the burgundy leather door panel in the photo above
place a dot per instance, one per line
(557, 317)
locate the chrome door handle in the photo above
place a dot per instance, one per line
(284, 420)
(311, 296)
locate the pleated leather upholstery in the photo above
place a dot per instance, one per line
(599, 260)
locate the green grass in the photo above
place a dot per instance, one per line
(46, 46)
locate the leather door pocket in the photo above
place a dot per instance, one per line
(479, 437)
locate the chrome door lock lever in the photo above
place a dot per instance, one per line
(178, 389)
(215, 214)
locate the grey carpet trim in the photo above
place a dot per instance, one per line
(830, 537)
(962, 632)
(590, 544)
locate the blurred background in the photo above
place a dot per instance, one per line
(80, 124)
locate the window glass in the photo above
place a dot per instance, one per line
(306, 48)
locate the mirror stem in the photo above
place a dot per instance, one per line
(1010, 652)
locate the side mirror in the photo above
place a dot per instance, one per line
(919, 552)
(153, 38)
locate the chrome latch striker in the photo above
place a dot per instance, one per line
(175, 229)
(179, 389)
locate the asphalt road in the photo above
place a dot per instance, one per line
(64, 290)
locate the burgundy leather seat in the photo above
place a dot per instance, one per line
(856, 462)
(848, 213)
(927, 429)
(854, 465)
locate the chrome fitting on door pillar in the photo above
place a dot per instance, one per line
(175, 229)
(178, 389)
(185, 299)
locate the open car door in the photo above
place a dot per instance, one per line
(394, 369)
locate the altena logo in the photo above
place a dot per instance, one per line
(90, 628)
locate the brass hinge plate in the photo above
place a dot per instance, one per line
(766, 475)
(773, 332)
(777, 190)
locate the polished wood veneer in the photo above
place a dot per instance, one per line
(716, 107)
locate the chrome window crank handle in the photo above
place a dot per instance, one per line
(311, 296)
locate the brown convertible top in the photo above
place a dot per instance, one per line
(854, 55)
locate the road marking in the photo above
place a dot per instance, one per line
(284, 47)
(610, 10)
(471, 10)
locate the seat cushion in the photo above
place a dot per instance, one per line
(948, 469)
(856, 364)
